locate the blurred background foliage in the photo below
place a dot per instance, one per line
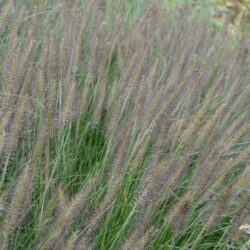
(230, 15)
(235, 14)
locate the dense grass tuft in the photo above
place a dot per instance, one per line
(123, 125)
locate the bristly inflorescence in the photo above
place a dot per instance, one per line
(120, 128)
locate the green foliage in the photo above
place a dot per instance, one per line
(123, 125)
